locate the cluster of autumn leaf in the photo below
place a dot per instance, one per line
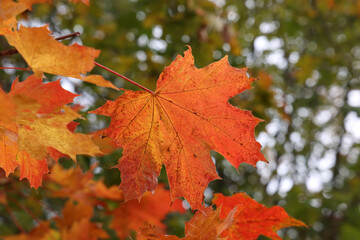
(177, 125)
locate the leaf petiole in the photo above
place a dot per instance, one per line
(125, 78)
(16, 68)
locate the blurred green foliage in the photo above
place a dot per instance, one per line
(306, 55)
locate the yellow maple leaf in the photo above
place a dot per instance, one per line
(26, 136)
(45, 54)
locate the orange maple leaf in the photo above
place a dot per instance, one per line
(8, 11)
(7, 109)
(253, 219)
(75, 223)
(51, 96)
(41, 232)
(152, 209)
(178, 125)
(205, 225)
(44, 54)
(26, 135)
(79, 186)
(237, 217)
(7, 25)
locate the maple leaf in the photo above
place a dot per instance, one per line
(32, 169)
(7, 25)
(51, 96)
(253, 219)
(237, 217)
(53, 132)
(11, 156)
(99, 80)
(7, 109)
(44, 54)
(72, 213)
(188, 116)
(26, 135)
(41, 232)
(152, 209)
(85, 230)
(205, 225)
(8, 11)
(75, 223)
(79, 186)
(106, 144)
(152, 233)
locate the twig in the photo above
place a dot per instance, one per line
(42, 202)
(123, 77)
(15, 51)
(46, 207)
(16, 68)
(8, 52)
(16, 222)
(71, 35)
(25, 209)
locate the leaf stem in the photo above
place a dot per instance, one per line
(125, 78)
(16, 68)
(15, 51)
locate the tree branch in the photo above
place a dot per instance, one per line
(12, 216)
(15, 51)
